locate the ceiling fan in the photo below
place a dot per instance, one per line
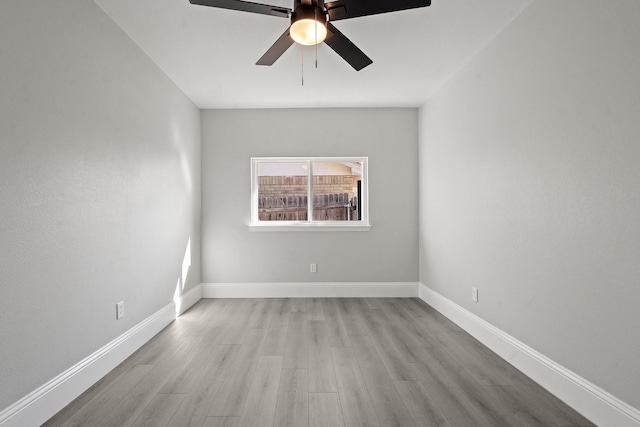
(311, 23)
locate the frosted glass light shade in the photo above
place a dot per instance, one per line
(308, 31)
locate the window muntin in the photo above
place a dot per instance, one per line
(309, 191)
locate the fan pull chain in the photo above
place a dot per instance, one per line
(302, 64)
(315, 26)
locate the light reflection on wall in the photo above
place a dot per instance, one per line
(182, 279)
(184, 161)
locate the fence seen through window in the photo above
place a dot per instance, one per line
(293, 190)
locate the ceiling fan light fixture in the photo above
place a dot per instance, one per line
(308, 26)
(311, 23)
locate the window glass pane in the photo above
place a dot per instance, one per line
(282, 191)
(336, 191)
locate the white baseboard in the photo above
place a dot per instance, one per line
(41, 404)
(594, 403)
(188, 299)
(311, 290)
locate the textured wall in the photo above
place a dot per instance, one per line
(231, 253)
(99, 182)
(529, 187)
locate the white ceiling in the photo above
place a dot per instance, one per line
(211, 53)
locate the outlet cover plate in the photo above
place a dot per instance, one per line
(120, 310)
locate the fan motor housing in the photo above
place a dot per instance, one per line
(305, 11)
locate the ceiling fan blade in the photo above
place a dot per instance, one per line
(346, 49)
(345, 9)
(276, 50)
(245, 6)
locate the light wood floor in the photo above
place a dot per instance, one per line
(315, 362)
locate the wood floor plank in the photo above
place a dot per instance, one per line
(402, 336)
(413, 306)
(421, 407)
(170, 334)
(194, 321)
(149, 354)
(387, 402)
(195, 406)
(280, 312)
(275, 341)
(215, 422)
(292, 409)
(232, 422)
(166, 340)
(181, 381)
(373, 303)
(395, 354)
(454, 406)
(140, 395)
(438, 320)
(514, 412)
(398, 365)
(262, 397)
(321, 374)
(216, 308)
(376, 328)
(260, 315)
(489, 408)
(212, 313)
(84, 399)
(239, 313)
(393, 350)
(401, 310)
(438, 366)
(485, 366)
(221, 422)
(315, 310)
(295, 352)
(338, 336)
(170, 329)
(179, 328)
(108, 399)
(250, 350)
(325, 410)
(298, 305)
(456, 394)
(357, 408)
(532, 402)
(352, 317)
(231, 397)
(159, 411)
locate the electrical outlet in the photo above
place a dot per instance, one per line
(120, 310)
(314, 267)
(474, 294)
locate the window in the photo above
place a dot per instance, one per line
(320, 193)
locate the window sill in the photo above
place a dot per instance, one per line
(308, 227)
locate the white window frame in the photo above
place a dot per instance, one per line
(310, 225)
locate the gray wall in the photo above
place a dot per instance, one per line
(231, 253)
(530, 187)
(99, 182)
